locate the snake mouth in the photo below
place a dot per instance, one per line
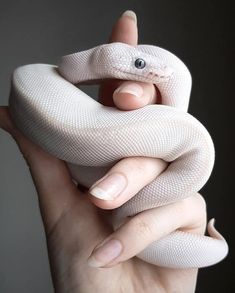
(160, 76)
(151, 76)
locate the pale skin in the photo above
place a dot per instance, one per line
(76, 222)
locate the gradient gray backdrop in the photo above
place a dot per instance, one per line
(199, 32)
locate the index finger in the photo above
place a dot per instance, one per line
(125, 31)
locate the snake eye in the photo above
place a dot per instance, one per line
(140, 63)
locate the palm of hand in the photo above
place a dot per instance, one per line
(71, 240)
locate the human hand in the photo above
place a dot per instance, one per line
(75, 224)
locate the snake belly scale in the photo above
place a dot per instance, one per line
(55, 114)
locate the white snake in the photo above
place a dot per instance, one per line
(91, 138)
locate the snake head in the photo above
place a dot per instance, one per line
(127, 62)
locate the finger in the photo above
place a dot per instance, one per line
(124, 31)
(124, 180)
(132, 95)
(147, 227)
(127, 95)
(51, 177)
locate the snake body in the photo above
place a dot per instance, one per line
(55, 114)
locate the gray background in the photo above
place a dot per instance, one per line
(199, 32)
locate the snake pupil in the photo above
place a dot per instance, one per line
(140, 63)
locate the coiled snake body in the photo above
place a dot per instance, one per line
(91, 138)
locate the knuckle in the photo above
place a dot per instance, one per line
(141, 165)
(202, 207)
(197, 200)
(193, 208)
(184, 204)
(201, 201)
(142, 227)
(136, 162)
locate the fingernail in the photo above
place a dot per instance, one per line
(110, 187)
(131, 88)
(130, 14)
(105, 253)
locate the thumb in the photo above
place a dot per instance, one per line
(132, 95)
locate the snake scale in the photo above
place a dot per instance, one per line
(49, 108)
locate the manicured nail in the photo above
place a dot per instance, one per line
(130, 88)
(110, 187)
(130, 14)
(105, 253)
